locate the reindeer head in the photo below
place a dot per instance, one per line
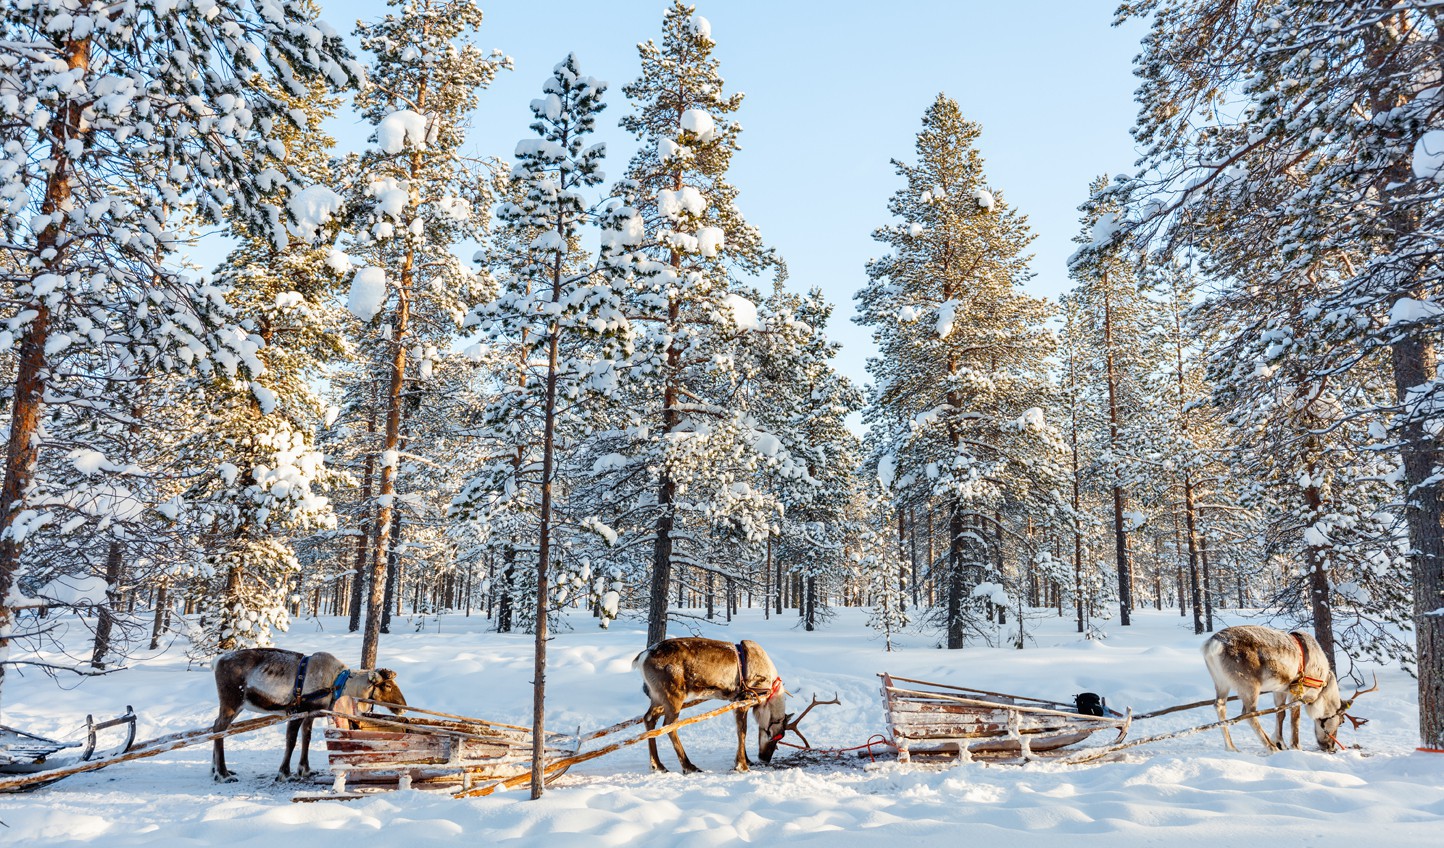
(381, 686)
(1329, 712)
(771, 716)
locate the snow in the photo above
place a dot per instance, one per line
(313, 208)
(402, 127)
(1407, 310)
(368, 293)
(947, 313)
(984, 199)
(673, 204)
(744, 312)
(700, 27)
(1428, 160)
(887, 470)
(1183, 792)
(88, 461)
(699, 123)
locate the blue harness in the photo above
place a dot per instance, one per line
(302, 701)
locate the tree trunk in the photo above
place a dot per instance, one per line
(1414, 362)
(1190, 520)
(957, 582)
(393, 579)
(1120, 538)
(365, 523)
(386, 506)
(114, 560)
(162, 605)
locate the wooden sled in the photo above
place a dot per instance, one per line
(935, 721)
(425, 749)
(26, 754)
(467, 756)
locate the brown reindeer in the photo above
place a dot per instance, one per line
(270, 680)
(676, 671)
(1251, 660)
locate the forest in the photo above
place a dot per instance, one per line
(428, 381)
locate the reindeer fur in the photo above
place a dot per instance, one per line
(264, 680)
(1251, 660)
(675, 671)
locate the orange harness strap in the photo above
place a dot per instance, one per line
(1303, 679)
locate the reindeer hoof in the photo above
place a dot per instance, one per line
(688, 768)
(228, 777)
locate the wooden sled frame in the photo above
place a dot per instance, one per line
(940, 721)
(25, 754)
(395, 765)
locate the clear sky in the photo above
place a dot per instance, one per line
(835, 90)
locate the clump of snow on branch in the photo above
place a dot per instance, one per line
(368, 293)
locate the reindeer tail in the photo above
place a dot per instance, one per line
(641, 657)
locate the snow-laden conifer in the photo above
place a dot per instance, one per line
(116, 117)
(960, 382)
(414, 196)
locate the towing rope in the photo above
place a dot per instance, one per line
(875, 739)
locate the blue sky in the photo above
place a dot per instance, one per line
(834, 91)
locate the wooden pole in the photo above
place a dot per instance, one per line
(568, 762)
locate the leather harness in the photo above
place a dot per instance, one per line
(1302, 680)
(302, 701)
(750, 691)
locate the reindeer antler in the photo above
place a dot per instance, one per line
(1358, 692)
(1343, 708)
(792, 724)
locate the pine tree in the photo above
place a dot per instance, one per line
(961, 380)
(262, 470)
(565, 321)
(161, 98)
(1117, 318)
(417, 196)
(689, 311)
(1329, 168)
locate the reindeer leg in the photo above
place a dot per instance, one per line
(230, 708)
(650, 720)
(292, 728)
(303, 770)
(742, 762)
(669, 716)
(1220, 703)
(1250, 704)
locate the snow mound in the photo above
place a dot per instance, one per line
(313, 208)
(744, 312)
(699, 123)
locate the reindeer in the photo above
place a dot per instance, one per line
(1250, 660)
(270, 680)
(676, 671)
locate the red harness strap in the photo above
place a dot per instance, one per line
(1302, 678)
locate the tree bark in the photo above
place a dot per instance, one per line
(1120, 538)
(1414, 362)
(105, 624)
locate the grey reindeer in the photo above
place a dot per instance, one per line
(272, 680)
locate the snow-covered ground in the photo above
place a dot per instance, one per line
(1187, 791)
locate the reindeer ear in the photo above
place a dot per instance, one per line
(376, 676)
(386, 673)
